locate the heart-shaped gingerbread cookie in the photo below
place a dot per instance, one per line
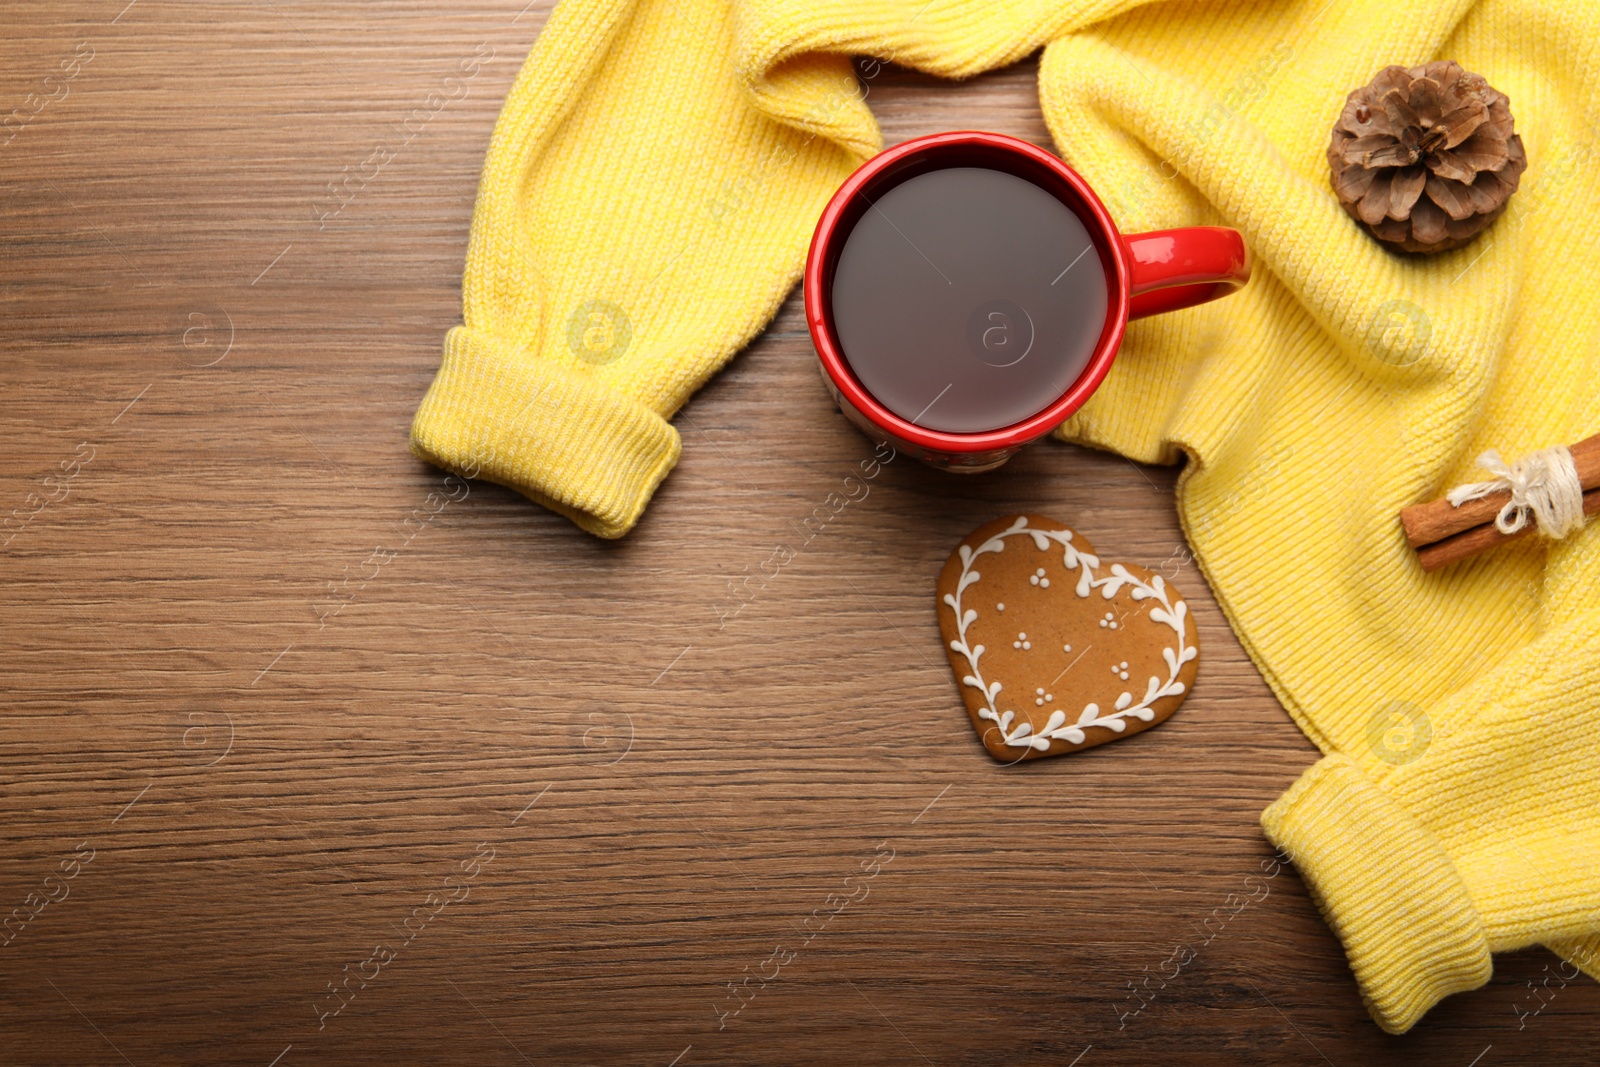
(1054, 652)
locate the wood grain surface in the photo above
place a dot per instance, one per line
(284, 711)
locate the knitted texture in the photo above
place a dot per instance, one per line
(645, 207)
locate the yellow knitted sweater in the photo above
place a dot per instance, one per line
(645, 207)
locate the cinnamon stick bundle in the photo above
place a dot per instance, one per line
(1443, 533)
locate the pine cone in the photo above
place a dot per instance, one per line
(1435, 129)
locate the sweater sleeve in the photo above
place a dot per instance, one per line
(643, 210)
(1479, 835)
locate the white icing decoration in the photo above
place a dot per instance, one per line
(1168, 613)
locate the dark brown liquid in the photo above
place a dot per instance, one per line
(968, 299)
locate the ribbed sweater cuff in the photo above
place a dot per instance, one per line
(1386, 887)
(551, 433)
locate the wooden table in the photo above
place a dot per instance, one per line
(522, 793)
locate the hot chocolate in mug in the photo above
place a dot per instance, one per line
(966, 292)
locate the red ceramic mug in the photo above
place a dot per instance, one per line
(1145, 274)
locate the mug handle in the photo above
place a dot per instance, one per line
(1172, 269)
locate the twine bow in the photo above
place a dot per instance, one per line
(1544, 485)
